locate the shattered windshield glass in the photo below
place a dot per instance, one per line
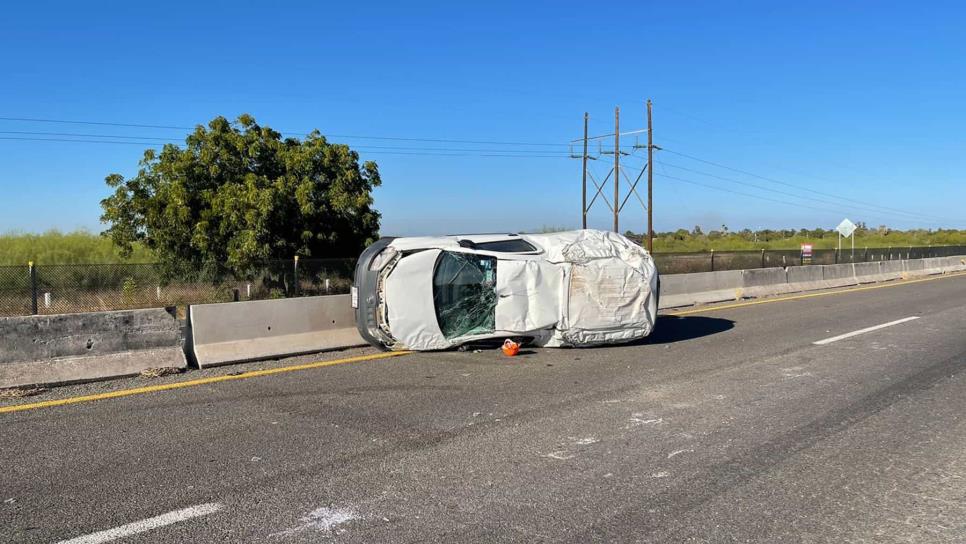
(464, 293)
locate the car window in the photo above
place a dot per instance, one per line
(464, 294)
(507, 246)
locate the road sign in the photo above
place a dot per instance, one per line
(806, 253)
(846, 228)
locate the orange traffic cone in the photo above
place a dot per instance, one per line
(510, 348)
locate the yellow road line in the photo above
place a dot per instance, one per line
(194, 383)
(811, 295)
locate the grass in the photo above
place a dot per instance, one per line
(684, 241)
(85, 247)
(55, 247)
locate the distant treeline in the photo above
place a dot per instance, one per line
(725, 239)
(54, 247)
(85, 247)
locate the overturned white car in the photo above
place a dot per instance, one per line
(565, 289)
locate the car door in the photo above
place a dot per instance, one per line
(530, 294)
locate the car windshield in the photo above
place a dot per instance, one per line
(464, 294)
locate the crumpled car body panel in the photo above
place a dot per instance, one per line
(574, 289)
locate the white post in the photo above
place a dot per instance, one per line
(46, 300)
(157, 292)
(326, 285)
(248, 290)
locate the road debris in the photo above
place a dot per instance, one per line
(510, 348)
(324, 520)
(21, 392)
(161, 372)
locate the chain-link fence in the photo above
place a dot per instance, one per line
(58, 289)
(709, 261)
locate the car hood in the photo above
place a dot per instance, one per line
(408, 292)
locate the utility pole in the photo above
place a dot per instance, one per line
(650, 181)
(583, 207)
(617, 167)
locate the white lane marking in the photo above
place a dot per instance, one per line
(146, 524)
(863, 331)
(638, 419)
(560, 455)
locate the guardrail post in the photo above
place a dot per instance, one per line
(762, 257)
(295, 277)
(712, 259)
(33, 287)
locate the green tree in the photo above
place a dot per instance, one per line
(237, 194)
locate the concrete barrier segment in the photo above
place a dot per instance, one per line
(235, 332)
(67, 348)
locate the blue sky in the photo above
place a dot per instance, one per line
(838, 109)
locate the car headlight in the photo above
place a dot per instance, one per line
(380, 260)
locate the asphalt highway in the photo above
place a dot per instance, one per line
(751, 423)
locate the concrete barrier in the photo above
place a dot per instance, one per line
(805, 274)
(759, 282)
(68, 348)
(236, 332)
(759, 277)
(933, 265)
(890, 270)
(803, 278)
(689, 289)
(955, 264)
(700, 288)
(913, 267)
(867, 272)
(839, 275)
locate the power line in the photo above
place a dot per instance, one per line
(759, 197)
(288, 132)
(100, 123)
(84, 135)
(440, 140)
(74, 140)
(179, 140)
(508, 152)
(772, 180)
(740, 193)
(833, 203)
(378, 150)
